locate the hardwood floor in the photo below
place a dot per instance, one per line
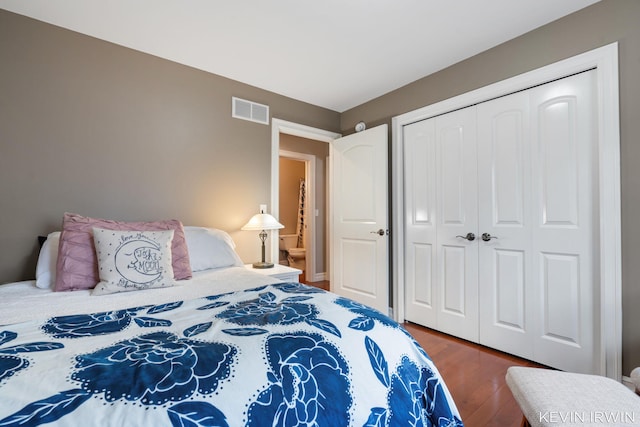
(323, 284)
(475, 376)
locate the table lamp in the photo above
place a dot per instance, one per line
(262, 221)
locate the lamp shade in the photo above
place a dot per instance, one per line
(262, 221)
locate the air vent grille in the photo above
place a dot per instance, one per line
(248, 110)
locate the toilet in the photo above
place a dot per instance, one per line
(296, 256)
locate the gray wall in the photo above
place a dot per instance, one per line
(94, 128)
(600, 24)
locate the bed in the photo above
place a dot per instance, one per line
(226, 347)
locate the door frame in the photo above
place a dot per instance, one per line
(309, 161)
(279, 126)
(605, 61)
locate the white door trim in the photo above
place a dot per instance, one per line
(279, 126)
(310, 218)
(605, 61)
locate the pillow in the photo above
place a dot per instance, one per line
(210, 248)
(132, 260)
(46, 265)
(77, 266)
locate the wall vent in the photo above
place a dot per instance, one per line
(248, 110)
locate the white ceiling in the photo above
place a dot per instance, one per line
(332, 53)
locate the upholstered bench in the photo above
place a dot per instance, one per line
(554, 398)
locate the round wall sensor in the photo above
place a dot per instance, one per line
(360, 126)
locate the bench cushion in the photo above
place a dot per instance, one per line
(551, 398)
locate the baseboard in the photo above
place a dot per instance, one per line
(318, 277)
(627, 381)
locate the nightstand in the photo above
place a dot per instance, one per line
(282, 272)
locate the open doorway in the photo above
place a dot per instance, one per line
(311, 146)
(302, 240)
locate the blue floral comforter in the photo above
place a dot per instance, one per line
(282, 355)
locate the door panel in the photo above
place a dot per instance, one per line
(456, 216)
(509, 308)
(359, 200)
(422, 266)
(359, 252)
(558, 157)
(506, 157)
(504, 183)
(452, 179)
(358, 193)
(565, 223)
(420, 226)
(454, 277)
(561, 289)
(441, 208)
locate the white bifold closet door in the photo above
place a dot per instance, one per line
(441, 209)
(501, 223)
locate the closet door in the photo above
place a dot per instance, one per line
(421, 294)
(538, 198)
(441, 264)
(457, 216)
(565, 223)
(506, 296)
(519, 173)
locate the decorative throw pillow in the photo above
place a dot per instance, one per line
(77, 266)
(132, 260)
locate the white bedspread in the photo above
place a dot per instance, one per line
(22, 301)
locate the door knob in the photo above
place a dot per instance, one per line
(470, 237)
(380, 232)
(486, 237)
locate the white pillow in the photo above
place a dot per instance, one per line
(133, 260)
(210, 248)
(46, 266)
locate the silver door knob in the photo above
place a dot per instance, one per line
(380, 232)
(470, 237)
(486, 237)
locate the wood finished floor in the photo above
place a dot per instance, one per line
(474, 374)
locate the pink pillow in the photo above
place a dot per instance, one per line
(77, 264)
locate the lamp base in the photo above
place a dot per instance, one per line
(262, 265)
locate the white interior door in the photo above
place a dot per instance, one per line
(359, 219)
